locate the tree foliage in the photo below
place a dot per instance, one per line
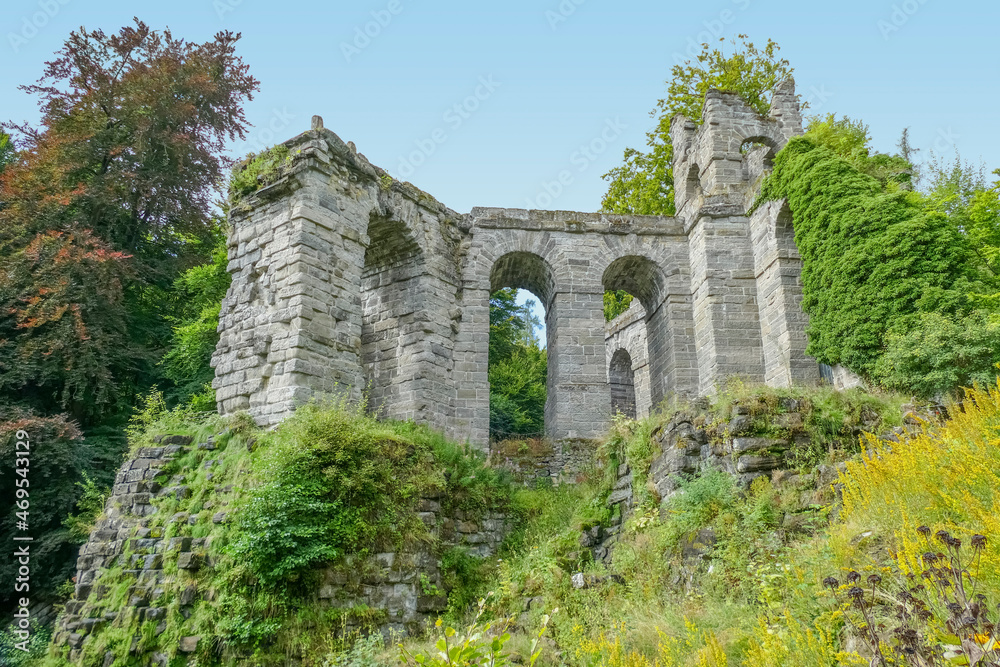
(104, 205)
(939, 353)
(644, 183)
(517, 368)
(199, 292)
(850, 140)
(616, 303)
(872, 259)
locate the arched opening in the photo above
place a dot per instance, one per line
(621, 377)
(637, 276)
(518, 357)
(692, 183)
(391, 326)
(637, 340)
(766, 145)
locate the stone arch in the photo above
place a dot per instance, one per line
(390, 242)
(524, 270)
(759, 141)
(392, 331)
(663, 324)
(639, 276)
(692, 183)
(621, 377)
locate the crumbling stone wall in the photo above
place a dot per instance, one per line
(398, 591)
(345, 280)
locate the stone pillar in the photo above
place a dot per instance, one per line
(290, 324)
(579, 398)
(779, 287)
(471, 369)
(723, 284)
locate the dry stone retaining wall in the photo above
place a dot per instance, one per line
(391, 591)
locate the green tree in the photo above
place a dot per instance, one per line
(7, 151)
(983, 230)
(616, 303)
(106, 204)
(198, 293)
(938, 354)
(644, 183)
(850, 140)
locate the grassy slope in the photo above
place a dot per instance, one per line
(755, 598)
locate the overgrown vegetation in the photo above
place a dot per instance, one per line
(872, 259)
(332, 483)
(716, 575)
(257, 171)
(329, 487)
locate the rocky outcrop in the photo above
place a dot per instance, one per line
(151, 559)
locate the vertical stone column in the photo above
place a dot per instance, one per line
(471, 368)
(779, 287)
(723, 284)
(290, 324)
(579, 397)
(671, 339)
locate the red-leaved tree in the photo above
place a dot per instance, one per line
(105, 203)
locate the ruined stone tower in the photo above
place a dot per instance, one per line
(346, 281)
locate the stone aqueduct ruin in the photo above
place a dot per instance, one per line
(347, 281)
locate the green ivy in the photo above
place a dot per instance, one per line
(872, 259)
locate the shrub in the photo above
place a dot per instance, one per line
(256, 171)
(943, 476)
(939, 354)
(332, 482)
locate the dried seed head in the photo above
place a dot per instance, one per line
(978, 541)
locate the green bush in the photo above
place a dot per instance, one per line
(332, 482)
(939, 354)
(256, 171)
(37, 643)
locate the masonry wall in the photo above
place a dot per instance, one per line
(346, 281)
(628, 332)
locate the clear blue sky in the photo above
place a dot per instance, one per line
(558, 75)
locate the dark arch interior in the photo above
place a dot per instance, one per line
(621, 377)
(640, 277)
(390, 243)
(524, 270)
